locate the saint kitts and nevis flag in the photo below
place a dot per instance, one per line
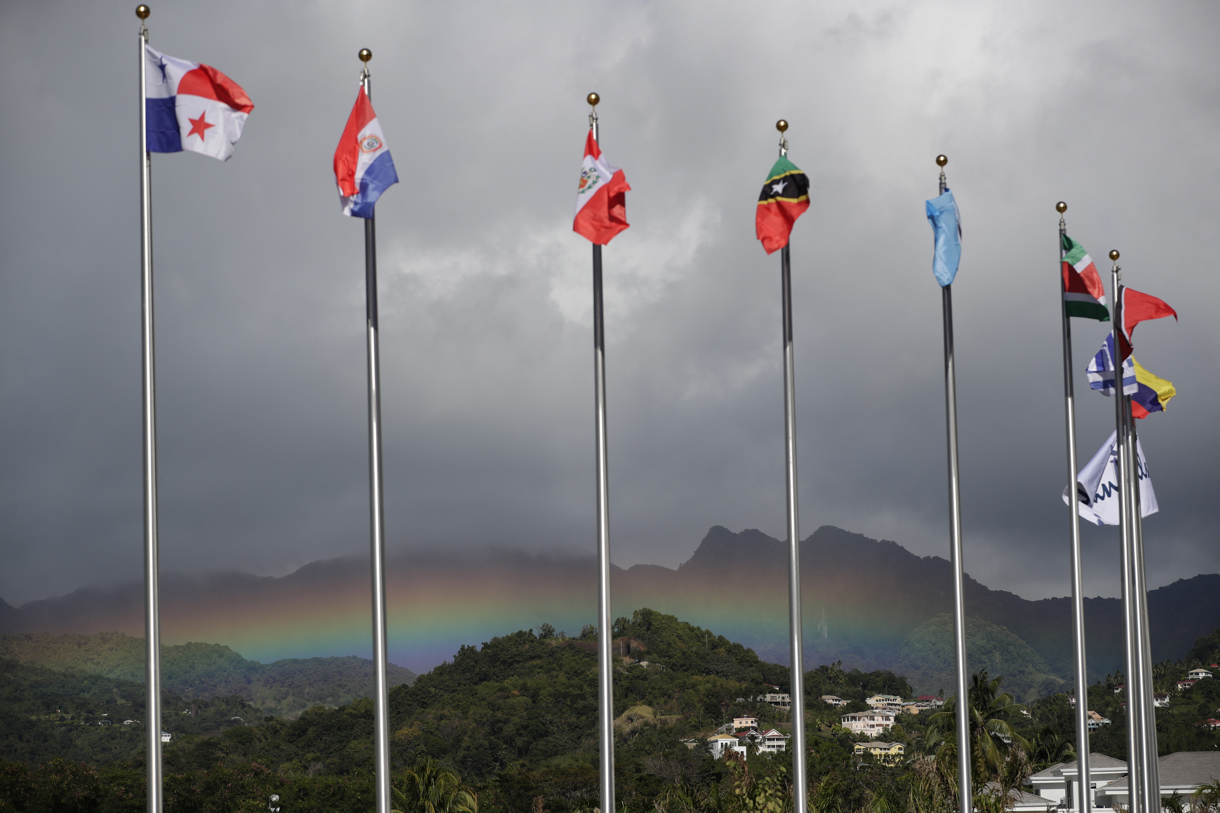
(601, 197)
(191, 107)
(1083, 294)
(363, 166)
(784, 198)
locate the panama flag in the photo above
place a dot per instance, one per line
(601, 198)
(363, 166)
(1097, 486)
(1083, 294)
(192, 107)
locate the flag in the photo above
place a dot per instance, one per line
(601, 197)
(1139, 307)
(947, 231)
(1083, 294)
(363, 166)
(1153, 393)
(1097, 486)
(784, 198)
(191, 107)
(1100, 371)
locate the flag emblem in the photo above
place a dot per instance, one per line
(946, 223)
(603, 213)
(1083, 294)
(363, 166)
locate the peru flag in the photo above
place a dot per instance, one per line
(601, 198)
(191, 107)
(363, 166)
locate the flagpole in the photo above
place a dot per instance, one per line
(152, 562)
(1148, 706)
(962, 705)
(1136, 774)
(605, 671)
(800, 785)
(381, 723)
(1084, 797)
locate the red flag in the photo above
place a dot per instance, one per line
(1139, 307)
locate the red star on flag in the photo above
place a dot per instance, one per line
(199, 127)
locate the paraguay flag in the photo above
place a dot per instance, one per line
(192, 107)
(363, 166)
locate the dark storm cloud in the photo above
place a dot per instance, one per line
(485, 290)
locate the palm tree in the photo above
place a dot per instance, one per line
(1050, 747)
(430, 788)
(992, 737)
(1206, 798)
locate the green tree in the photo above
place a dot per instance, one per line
(997, 751)
(431, 788)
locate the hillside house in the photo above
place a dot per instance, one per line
(1183, 685)
(1096, 721)
(773, 742)
(888, 753)
(740, 723)
(722, 743)
(1160, 700)
(1198, 674)
(930, 701)
(877, 721)
(834, 700)
(780, 700)
(884, 701)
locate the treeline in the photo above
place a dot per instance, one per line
(196, 670)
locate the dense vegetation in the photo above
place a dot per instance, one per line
(205, 671)
(512, 726)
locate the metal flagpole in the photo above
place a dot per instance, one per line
(962, 706)
(605, 672)
(1084, 797)
(381, 726)
(1147, 706)
(152, 567)
(800, 786)
(1135, 763)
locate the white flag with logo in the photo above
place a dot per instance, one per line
(1097, 486)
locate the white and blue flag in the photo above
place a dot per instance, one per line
(1101, 371)
(1097, 486)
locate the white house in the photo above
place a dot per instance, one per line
(1060, 784)
(722, 743)
(781, 700)
(774, 741)
(876, 721)
(834, 700)
(1180, 773)
(1198, 674)
(1096, 721)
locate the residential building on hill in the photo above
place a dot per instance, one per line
(877, 721)
(889, 753)
(834, 700)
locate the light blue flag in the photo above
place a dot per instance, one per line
(947, 229)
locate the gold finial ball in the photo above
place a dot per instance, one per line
(1061, 207)
(941, 160)
(593, 99)
(365, 55)
(781, 125)
(1114, 254)
(143, 11)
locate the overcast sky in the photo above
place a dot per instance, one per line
(486, 297)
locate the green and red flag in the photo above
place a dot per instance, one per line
(1083, 294)
(784, 198)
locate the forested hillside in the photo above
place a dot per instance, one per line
(204, 671)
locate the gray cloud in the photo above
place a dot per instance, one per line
(485, 290)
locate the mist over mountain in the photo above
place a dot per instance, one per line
(870, 604)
